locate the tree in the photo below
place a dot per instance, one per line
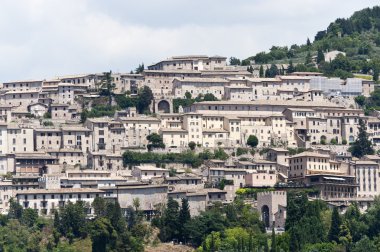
(335, 226)
(364, 245)
(234, 61)
(252, 141)
(250, 69)
(320, 56)
(103, 235)
(345, 237)
(170, 224)
(290, 68)
(107, 85)
(144, 100)
(261, 71)
(360, 100)
(29, 217)
(308, 42)
(272, 71)
(188, 95)
(155, 141)
(183, 218)
(308, 59)
(273, 247)
(99, 205)
(72, 219)
(220, 154)
(376, 74)
(140, 68)
(15, 210)
(362, 145)
(192, 145)
(209, 97)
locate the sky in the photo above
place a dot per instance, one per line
(41, 39)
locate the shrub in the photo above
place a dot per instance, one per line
(241, 151)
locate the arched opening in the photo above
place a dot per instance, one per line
(163, 107)
(265, 215)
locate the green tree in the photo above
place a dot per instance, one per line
(170, 225)
(107, 85)
(183, 218)
(362, 145)
(345, 237)
(188, 95)
(272, 71)
(72, 219)
(209, 97)
(144, 100)
(308, 59)
(376, 74)
(220, 154)
(15, 209)
(252, 141)
(155, 141)
(192, 145)
(261, 71)
(99, 206)
(140, 68)
(290, 68)
(364, 245)
(308, 42)
(113, 213)
(234, 61)
(336, 222)
(320, 56)
(273, 247)
(360, 100)
(103, 235)
(29, 217)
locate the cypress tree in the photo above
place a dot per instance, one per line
(294, 245)
(320, 56)
(290, 68)
(362, 145)
(335, 226)
(183, 218)
(261, 71)
(273, 244)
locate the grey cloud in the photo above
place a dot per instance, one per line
(44, 38)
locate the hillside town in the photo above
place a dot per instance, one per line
(266, 134)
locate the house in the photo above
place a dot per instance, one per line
(47, 201)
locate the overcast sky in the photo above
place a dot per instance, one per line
(45, 38)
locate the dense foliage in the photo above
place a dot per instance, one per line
(188, 101)
(362, 145)
(235, 227)
(187, 157)
(70, 230)
(358, 37)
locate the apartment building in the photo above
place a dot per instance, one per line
(20, 139)
(47, 201)
(367, 177)
(161, 81)
(26, 85)
(191, 62)
(199, 86)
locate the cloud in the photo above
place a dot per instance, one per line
(45, 38)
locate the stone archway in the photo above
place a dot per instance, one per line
(163, 106)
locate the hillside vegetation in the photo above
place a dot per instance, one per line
(357, 36)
